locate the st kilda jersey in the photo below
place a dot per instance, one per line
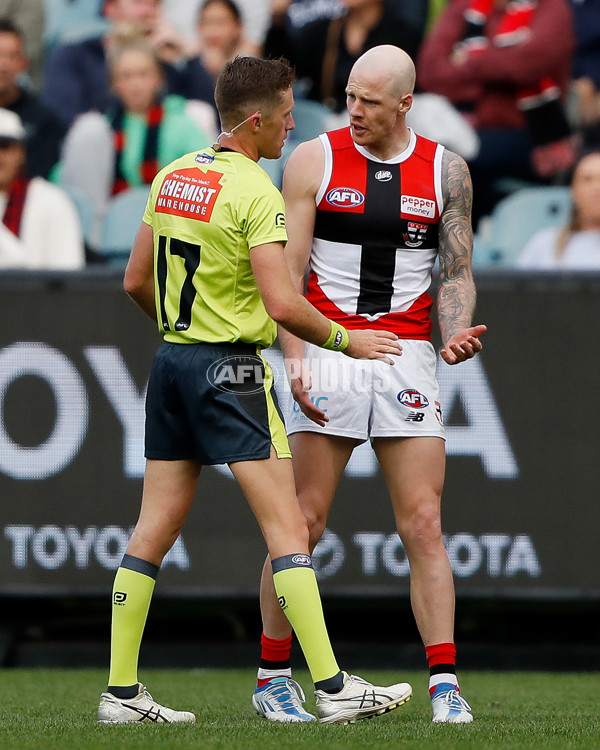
(376, 236)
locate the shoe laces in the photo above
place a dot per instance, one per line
(143, 690)
(355, 678)
(287, 694)
(454, 698)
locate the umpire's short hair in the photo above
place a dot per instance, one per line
(247, 83)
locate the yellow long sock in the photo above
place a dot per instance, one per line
(298, 592)
(132, 592)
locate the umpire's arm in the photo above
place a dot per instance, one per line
(139, 274)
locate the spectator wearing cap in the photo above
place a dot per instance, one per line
(40, 227)
(44, 130)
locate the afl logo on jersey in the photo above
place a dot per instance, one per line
(345, 197)
(204, 158)
(412, 398)
(383, 175)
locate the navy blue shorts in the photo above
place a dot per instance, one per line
(214, 403)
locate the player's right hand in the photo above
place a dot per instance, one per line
(301, 393)
(372, 344)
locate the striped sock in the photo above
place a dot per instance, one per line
(274, 659)
(442, 667)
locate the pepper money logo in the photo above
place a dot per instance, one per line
(119, 598)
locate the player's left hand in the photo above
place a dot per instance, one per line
(463, 345)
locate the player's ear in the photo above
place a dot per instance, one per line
(405, 104)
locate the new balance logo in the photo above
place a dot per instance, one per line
(415, 416)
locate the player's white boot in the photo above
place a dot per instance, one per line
(281, 699)
(359, 699)
(449, 707)
(141, 707)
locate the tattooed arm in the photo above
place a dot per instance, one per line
(456, 294)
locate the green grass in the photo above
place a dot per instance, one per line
(48, 709)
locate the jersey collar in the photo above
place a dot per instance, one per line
(403, 156)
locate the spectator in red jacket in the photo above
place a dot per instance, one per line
(506, 64)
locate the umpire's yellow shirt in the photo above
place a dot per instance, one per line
(207, 209)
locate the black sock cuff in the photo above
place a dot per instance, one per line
(298, 560)
(332, 684)
(283, 664)
(139, 566)
(127, 691)
(442, 669)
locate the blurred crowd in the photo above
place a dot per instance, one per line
(97, 95)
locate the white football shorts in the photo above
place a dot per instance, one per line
(368, 398)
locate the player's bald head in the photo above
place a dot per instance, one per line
(387, 68)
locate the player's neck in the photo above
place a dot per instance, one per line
(389, 147)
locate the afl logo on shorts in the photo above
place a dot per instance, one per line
(204, 158)
(384, 175)
(414, 399)
(301, 560)
(239, 373)
(344, 197)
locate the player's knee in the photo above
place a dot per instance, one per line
(422, 529)
(298, 534)
(314, 507)
(152, 544)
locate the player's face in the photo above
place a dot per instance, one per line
(374, 111)
(275, 127)
(586, 189)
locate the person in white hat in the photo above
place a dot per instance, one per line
(40, 227)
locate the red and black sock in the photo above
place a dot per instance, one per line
(274, 659)
(442, 665)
